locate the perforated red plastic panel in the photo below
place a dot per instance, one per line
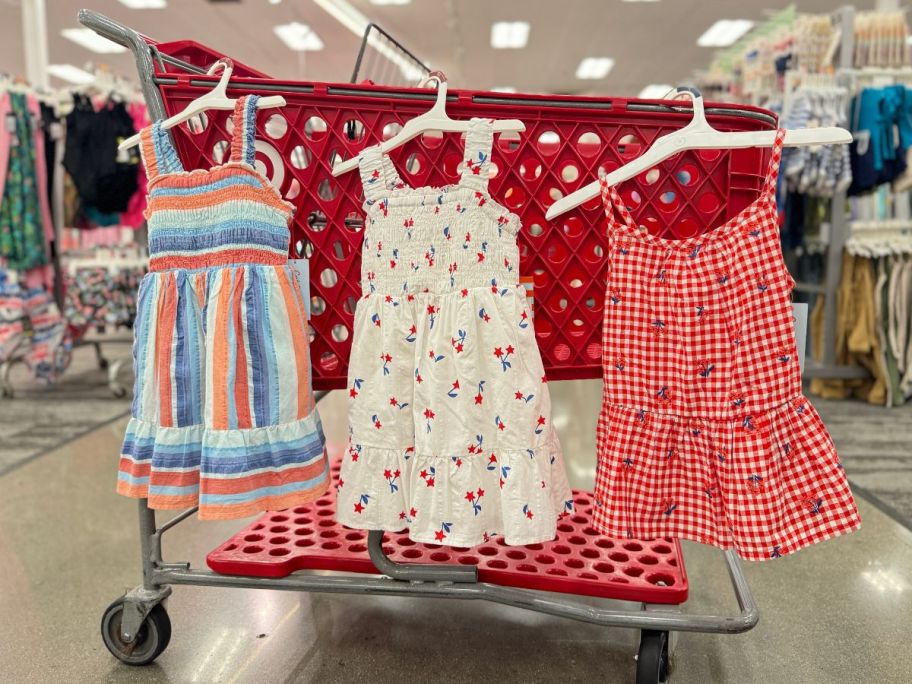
(579, 561)
(565, 141)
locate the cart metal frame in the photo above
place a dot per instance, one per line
(393, 579)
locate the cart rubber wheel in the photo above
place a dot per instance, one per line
(652, 659)
(151, 640)
(103, 363)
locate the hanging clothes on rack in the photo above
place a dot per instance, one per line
(105, 178)
(26, 227)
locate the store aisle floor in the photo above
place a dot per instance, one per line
(839, 612)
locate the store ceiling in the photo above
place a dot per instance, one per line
(651, 42)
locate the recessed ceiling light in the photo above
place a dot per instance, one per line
(145, 4)
(70, 73)
(594, 67)
(503, 89)
(507, 35)
(90, 40)
(724, 32)
(655, 91)
(390, 2)
(298, 36)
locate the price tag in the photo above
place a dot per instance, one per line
(800, 317)
(302, 270)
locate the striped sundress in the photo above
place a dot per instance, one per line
(223, 414)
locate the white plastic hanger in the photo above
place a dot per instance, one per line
(435, 119)
(698, 135)
(216, 98)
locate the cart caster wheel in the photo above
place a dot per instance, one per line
(102, 363)
(151, 640)
(652, 659)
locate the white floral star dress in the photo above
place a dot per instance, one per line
(449, 413)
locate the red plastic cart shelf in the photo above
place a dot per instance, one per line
(579, 561)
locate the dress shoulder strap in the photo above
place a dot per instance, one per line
(612, 202)
(158, 154)
(476, 163)
(772, 174)
(378, 175)
(243, 135)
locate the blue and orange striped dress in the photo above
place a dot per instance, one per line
(223, 414)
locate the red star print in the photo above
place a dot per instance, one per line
(410, 298)
(456, 384)
(524, 315)
(422, 474)
(529, 514)
(541, 420)
(510, 349)
(480, 492)
(544, 378)
(439, 535)
(402, 515)
(458, 462)
(501, 483)
(413, 329)
(519, 395)
(493, 459)
(431, 354)
(396, 473)
(429, 482)
(498, 352)
(393, 401)
(376, 173)
(459, 348)
(378, 425)
(431, 309)
(471, 448)
(413, 512)
(353, 393)
(481, 257)
(418, 379)
(389, 299)
(486, 317)
(392, 263)
(429, 414)
(387, 473)
(464, 292)
(359, 507)
(501, 426)
(354, 456)
(478, 398)
(387, 358)
(470, 496)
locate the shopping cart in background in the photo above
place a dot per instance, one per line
(566, 140)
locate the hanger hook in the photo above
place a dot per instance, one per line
(696, 98)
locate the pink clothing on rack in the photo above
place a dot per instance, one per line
(134, 216)
(4, 142)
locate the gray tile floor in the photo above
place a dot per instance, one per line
(839, 612)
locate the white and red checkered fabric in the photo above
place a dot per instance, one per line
(704, 433)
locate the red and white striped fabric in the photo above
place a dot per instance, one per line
(704, 433)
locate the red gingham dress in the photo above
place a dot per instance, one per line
(704, 433)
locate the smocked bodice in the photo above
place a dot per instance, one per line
(228, 215)
(436, 240)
